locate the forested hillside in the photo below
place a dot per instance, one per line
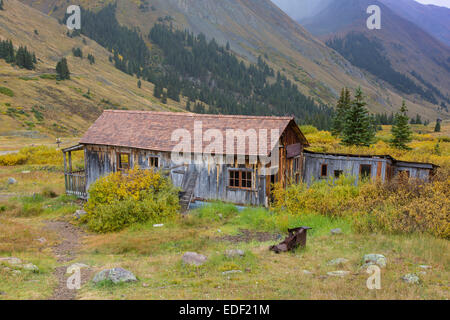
(211, 76)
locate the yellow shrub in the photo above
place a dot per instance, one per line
(136, 196)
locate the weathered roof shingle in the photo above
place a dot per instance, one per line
(153, 130)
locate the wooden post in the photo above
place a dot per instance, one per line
(70, 161)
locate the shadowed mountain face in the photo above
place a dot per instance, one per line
(414, 62)
(433, 19)
(254, 28)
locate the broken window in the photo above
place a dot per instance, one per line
(365, 171)
(405, 173)
(324, 170)
(338, 173)
(241, 179)
(123, 161)
(153, 162)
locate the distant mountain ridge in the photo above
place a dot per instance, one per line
(433, 19)
(408, 51)
(254, 28)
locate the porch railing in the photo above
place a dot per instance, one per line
(76, 184)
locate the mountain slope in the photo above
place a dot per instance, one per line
(433, 19)
(61, 107)
(408, 49)
(253, 28)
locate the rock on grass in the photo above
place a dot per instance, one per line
(115, 275)
(193, 258)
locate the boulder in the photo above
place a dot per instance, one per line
(339, 273)
(41, 240)
(233, 253)
(30, 267)
(11, 261)
(375, 259)
(411, 278)
(79, 214)
(12, 181)
(425, 267)
(336, 231)
(307, 272)
(193, 258)
(231, 272)
(337, 261)
(115, 275)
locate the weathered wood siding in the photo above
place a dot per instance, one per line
(212, 182)
(416, 171)
(312, 166)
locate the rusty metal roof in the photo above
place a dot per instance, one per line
(153, 130)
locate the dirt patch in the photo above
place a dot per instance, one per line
(65, 252)
(245, 235)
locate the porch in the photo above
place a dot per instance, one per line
(75, 181)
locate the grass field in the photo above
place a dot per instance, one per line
(154, 254)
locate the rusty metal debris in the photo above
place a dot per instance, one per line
(296, 238)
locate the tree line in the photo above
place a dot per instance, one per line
(356, 127)
(212, 78)
(21, 57)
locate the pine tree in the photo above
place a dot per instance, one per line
(342, 107)
(437, 128)
(401, 130)
(62, 69)
(358, 129)
(139, 84)
(188, 106)
(1, 5)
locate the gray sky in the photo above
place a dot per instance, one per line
(442, 3)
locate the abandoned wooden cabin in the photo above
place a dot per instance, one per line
(383, 167)
(121, 140)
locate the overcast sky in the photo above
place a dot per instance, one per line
(443, 3)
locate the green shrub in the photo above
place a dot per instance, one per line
(138, 196)
(6, 91)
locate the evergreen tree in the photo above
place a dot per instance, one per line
(342, 107)
(1, 5)
(62, 69)
(437, 128)
(139, 84)
(401, 130)
(358, 128)
(164, 97)
(188, 106)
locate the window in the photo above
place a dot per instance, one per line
(324, 170)
(153, 162)
(365, 171)
(338, 173)
(405, 173)
(241, 179)
(123, 161)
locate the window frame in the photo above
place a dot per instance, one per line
(240, 179)
(119, 161)
(153, 157)
(322, 166)
(369, 176)
(338, 173)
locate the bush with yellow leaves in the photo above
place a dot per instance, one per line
(401, 206)
(136, 196)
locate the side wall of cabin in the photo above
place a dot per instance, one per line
(380, 168)
(212, 181)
